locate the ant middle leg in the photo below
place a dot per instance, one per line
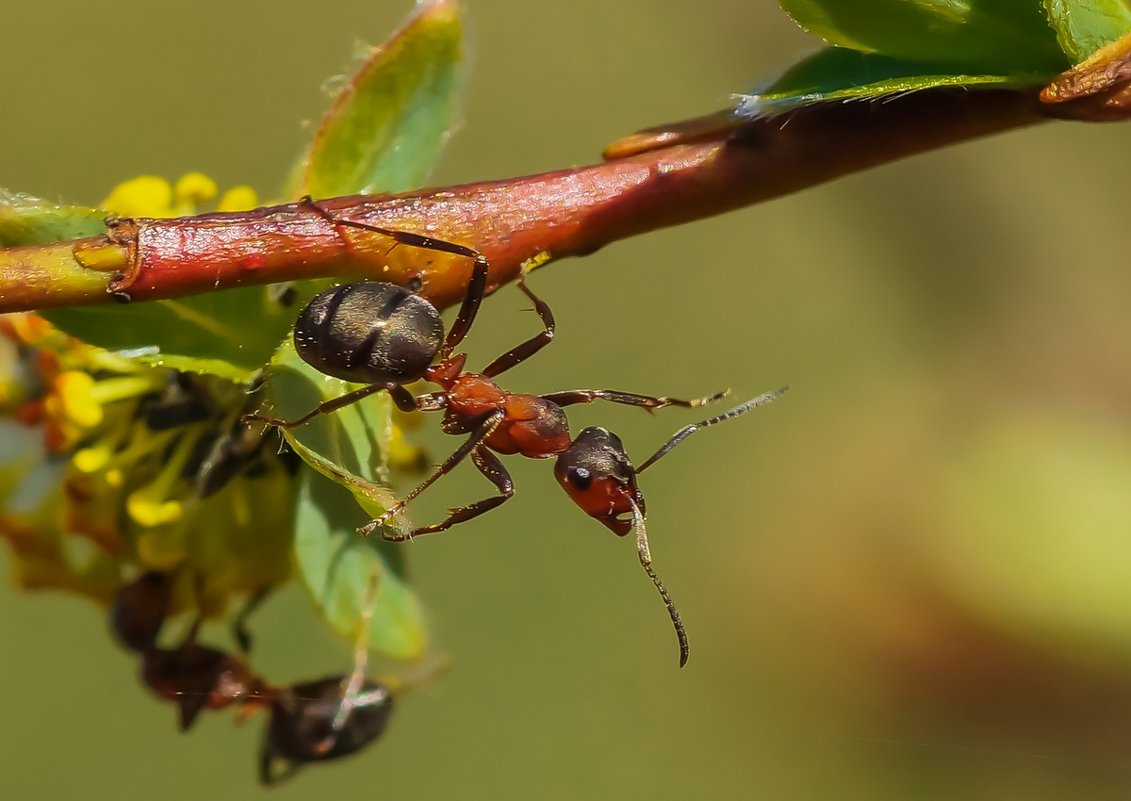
(403, 399)
(490, 466)
(574, 396)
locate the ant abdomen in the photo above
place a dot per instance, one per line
(370, 333)
(307, 722)
(139, 610)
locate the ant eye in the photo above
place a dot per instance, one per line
(580, 477)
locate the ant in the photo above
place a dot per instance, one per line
(319, 721)
(386, 336)
(309, 722)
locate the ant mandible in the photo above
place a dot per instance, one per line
(385, 336)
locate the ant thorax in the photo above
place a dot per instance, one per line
(531, 426)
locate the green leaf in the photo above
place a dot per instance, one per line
(388, 124)
(347, 575)
(27, 220)
(996, 37)
(230, 334)
(1085, 26)
(837, 73)
(211, 333)
(348, 445)
(383, 133)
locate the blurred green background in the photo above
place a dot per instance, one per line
(909, 579)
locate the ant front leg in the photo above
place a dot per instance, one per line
(574, 396)
(401, 397)
(485, 425)
(490, 466)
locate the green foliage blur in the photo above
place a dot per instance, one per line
(905, 580)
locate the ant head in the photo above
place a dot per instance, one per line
(316, 722)
(596, 473)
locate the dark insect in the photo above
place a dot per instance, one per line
(385, 336)
(196, 677)
(309, 722)
(320, 721)
(139, 609)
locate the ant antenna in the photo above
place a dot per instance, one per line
(685, 432)
(646, 562)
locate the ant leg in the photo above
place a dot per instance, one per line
(402, 398)
(476, 285)
(524, 351)
(403, 237)
(332, 406)
(687, 431)
(239, 625)
(484, 427)
(352, 684)
(490, 466)
(573, 396)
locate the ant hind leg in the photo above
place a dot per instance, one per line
(323, 408)
(476, 285)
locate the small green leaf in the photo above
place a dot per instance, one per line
(388, 124)
(347, 575)
(27, 220)
(1085, 26)
(230, 334)
(211, 333)
(996, 37)
(383, 133)
(348, 445)
(837, 73)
